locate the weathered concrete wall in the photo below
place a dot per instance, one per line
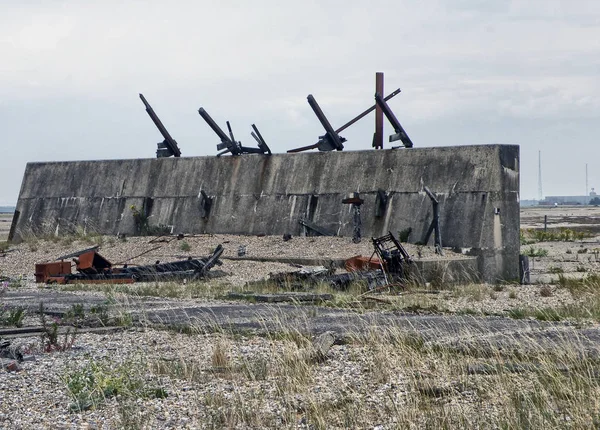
(477, 186)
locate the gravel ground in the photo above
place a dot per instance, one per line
(479, 298)
(487, 300)
(201, 245)
(38, 395)
(201, 397)
(171, 381)
(5, 221)
(21, 259)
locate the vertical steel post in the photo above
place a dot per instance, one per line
(378, 137)
(357, 223)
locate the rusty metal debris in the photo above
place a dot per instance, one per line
(323, 145)
(167, 147)
(400, 133)
(435, 224)
(387, 267)
(391, 259)
(331, 139)
(313, 229)
(93, 268)
(229, 144)
(302, 279)
(46, 271)
(378, 135)
(360, 262)
(393, 256)
(372, 278)
(356, 203)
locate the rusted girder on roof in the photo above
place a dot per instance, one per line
(378, 135)
(229, 144)
(331, 139)
(321, 145)
(167, 147)
(400, 133)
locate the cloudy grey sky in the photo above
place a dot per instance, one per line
(471, 72)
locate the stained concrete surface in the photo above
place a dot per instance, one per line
(477, 186)
(242, 317)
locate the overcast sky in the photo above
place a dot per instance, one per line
(471, 72)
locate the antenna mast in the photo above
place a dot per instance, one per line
(540, 193)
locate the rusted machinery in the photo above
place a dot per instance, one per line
(94, 268)
(46, 271)
(393, 256)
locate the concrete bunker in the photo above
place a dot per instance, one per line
(477, 188)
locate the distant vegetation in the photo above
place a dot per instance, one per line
(532, 235)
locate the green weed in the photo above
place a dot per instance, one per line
(589, 283)
(528, 236)
(12, 317)
(95, 382)
(536, 252)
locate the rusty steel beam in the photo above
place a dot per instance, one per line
(366, 112)
(378, 137)
(331, 139)
(169, 145)
(348, 124)
(400, 133)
